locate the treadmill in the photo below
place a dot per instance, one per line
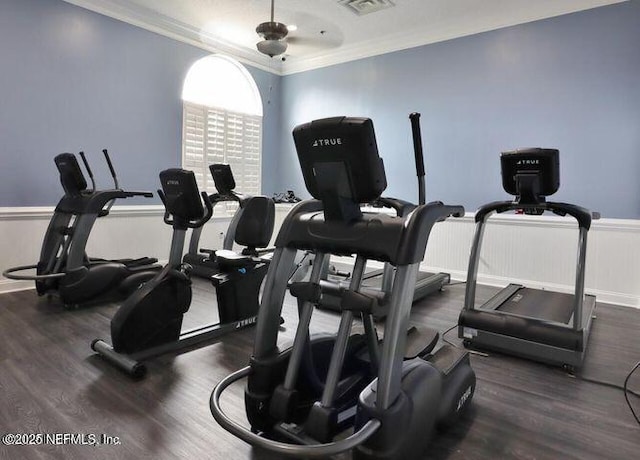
(378, 283)
(426, 282)
(536, 324)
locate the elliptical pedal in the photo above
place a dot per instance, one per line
(420, 341)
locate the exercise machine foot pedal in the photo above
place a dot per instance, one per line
(420, 341)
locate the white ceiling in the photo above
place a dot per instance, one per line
(328, 32)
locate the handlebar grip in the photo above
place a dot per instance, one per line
(86, 163)
(167, 220)
(417, 143)
(208, 211)
(162, 197)
(106, 156)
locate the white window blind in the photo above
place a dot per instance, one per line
(212, 135)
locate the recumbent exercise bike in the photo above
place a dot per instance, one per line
(149, 322)
(203, 261)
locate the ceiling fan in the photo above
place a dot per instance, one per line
(273, 36)
(313, 34)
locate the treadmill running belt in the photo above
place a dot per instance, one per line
(536, 303)
(374, 279)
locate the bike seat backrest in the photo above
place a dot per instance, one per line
(255, 225)
(222, 178)
(340, 164)
(71, 177)
(182, 198)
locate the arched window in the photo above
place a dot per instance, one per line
(222, 122)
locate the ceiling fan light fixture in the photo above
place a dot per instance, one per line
(273, 34)
(272, 47)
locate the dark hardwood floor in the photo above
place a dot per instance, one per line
(51, 382)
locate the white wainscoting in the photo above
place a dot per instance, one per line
(541, 252)
(535, 251)
(128, 231)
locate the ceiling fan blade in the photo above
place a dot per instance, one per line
(319, 42)
(312, 34)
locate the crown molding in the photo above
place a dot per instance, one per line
(164, 25)
(404, 40)
(148, 19)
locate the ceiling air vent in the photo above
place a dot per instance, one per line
(362, 7)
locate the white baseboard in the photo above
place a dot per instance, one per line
(15, 285)
(534, 251)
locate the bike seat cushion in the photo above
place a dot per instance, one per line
(230, 260)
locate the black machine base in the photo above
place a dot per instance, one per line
(133, 364)
(159, 333)
(503, 325)
(436, 391)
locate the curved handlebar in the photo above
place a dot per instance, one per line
(582, 215)
(9, 274)
(86, 165)
(167, 216)
(113, 172)
(401, 207)
(115, 181)
(282, 448)
(452, 211)
(231, 196)
(208, 212)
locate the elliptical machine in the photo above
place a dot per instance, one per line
(298, 402)
(64, 267)
(149, 322)
(378, 282)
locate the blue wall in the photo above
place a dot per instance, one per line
(75, 80)
(570, 82)
(72, 79)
